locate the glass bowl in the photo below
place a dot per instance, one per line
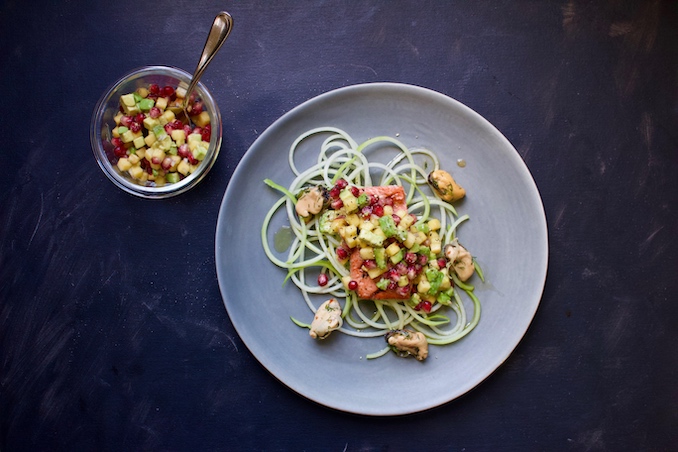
(103, 123)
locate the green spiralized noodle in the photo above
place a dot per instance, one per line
(311, 251)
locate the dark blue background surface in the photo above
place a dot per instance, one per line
(113, 335)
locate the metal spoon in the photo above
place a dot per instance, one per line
(221, 28)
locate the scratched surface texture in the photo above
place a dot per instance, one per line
(113, 335)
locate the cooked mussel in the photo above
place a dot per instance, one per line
(408, 343)
(445, 186)
(311, 201)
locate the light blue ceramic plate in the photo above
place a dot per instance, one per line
(507, 233)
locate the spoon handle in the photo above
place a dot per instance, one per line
(221, 28)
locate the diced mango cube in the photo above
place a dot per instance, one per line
(184, 167)
(366, 225)
(367, 253)
(409, 240)
(392, 249)
(127, 137)
(202, 119)
(375, 272)
(137, 172)
(161, 103)
(434, 224)
(353, 219)
(139, 142)
(179, 136)
(124, 164)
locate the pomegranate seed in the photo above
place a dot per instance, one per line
(411, 273)
(355, 191)
(167, 91)
(196, 109)
(177, 125)
(197, 130)
(146, 165)
(154, 112)
(168, 128)
(183, 151)
(422, 259)
(401, 268)
(378, 211)
(140, 118)
(206, 134)
(323, 279)
(393, 275)
(154, 89)
(135, 127)
(125, 121)
(366, 211)
(396, 219)
(342, 254)
(410, 258)
(403, 291)
(442, 262)
(373, 200)
(388, 201)
(120, 151)
(116, 141)
(370, 264)
(187, 129)
(166, 163)
(425, 306)
(337, 204)
(341, 183)
(392, 285)
(192, 160)
(352, 284)
(334, 192)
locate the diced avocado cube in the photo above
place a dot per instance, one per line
(325, 221)
(159, 132)
(380, 257)
(363, 200)
(199, 153)
(172, 178)
(371, 238)
(146, 104)
(397, 257)
(382, 283)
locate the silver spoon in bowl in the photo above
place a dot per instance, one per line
(221, 28)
